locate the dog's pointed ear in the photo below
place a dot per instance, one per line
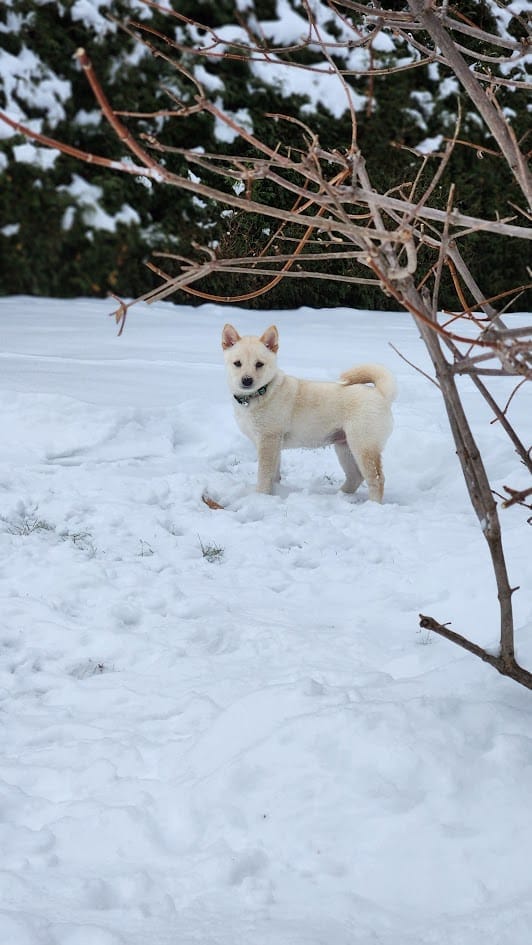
(270, 339)
(230, 337)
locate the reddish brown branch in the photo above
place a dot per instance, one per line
(122, 133)
(517, 497)
(86, 156)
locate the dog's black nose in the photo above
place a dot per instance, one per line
(247, 381)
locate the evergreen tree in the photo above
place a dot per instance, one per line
(68, 229)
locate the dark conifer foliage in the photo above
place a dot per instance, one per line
(68, 229)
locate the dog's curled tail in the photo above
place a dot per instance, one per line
(376, 374)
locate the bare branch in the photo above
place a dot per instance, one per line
(499, 128)
(507, 667)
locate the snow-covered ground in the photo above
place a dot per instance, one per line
(223, 727)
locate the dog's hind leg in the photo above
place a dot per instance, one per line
(353, 476)
(369, 462)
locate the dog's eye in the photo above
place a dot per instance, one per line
(259, 364)
(237, 363)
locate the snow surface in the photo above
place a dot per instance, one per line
(224, 727)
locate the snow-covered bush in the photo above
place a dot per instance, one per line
(67, 230)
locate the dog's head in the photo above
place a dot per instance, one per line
(251, 362)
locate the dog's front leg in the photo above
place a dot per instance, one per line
(269, 455)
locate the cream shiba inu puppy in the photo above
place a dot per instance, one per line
(279, 412)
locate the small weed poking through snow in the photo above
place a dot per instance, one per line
(81, 540)
(27, 526)
(211, 551)
(30, 524)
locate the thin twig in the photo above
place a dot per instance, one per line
(415, 366)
